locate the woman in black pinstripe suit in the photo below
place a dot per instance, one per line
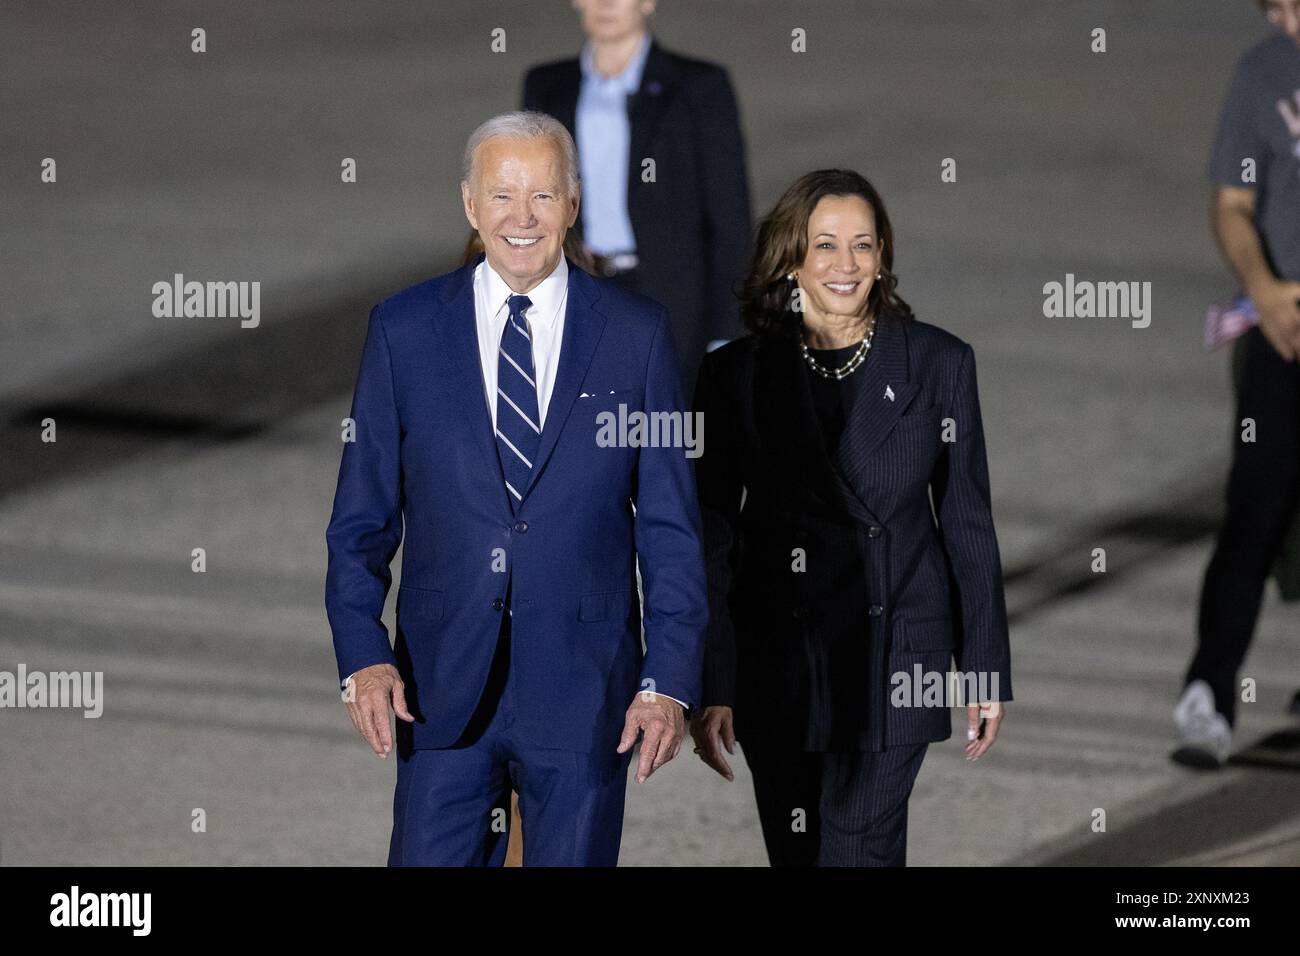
(837, 592)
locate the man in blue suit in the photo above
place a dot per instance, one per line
(518, 660)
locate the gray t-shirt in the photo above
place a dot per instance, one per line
(1261, 121)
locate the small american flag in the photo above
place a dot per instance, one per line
(1226, 320)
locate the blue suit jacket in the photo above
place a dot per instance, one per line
(425, 455)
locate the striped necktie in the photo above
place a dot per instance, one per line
(519, 429)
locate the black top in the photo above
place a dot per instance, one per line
(832, 399)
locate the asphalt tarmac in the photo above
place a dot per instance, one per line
(176, 434)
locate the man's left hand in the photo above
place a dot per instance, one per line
(664, 726)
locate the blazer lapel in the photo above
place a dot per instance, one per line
(583, 326)
(884, 395)
(566, 96)
(562, 103)
(461, 332)
(646, 108)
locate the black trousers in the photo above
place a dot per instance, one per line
(834, 809)
(1263, 488)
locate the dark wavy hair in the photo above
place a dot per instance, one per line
(782, 244)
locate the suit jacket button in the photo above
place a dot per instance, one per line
(875, 610)
(521, 526)
(874, 531)
(498, 604)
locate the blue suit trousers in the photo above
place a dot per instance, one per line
(451, 805)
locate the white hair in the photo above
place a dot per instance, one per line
(524, 124)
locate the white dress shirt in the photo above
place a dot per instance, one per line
(545, 319)
(545, 324)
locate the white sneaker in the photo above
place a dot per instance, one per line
(1204, 737)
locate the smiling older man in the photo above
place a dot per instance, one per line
(518, 660)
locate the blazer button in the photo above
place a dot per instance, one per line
(498, 604)
(874, 531)
(521, 526)
(875, 610)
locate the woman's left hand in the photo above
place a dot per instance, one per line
(980, 738)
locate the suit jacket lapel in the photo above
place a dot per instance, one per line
(883, 395)
(788, 427)
(566, 96)
(561, 101)
(583, 326)
(646, 108)
(461, 331)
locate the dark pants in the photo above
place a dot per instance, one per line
(834, 809)
(450, 804)
(1263, 487)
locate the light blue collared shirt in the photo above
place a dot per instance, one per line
(604, 141)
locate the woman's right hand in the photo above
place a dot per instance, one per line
(712, 730)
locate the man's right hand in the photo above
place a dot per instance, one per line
(374, 689)
(712, 730)
(1278, 304)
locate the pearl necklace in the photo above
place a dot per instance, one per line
(849, 367)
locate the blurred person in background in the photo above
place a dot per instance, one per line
(1255, 166)
(678, 232)
(831, 422)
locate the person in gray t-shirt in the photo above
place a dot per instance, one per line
(1255, 167)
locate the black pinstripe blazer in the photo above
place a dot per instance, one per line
(838, 574)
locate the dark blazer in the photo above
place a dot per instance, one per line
(692, 225)
(806, 657)
(425, 458)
